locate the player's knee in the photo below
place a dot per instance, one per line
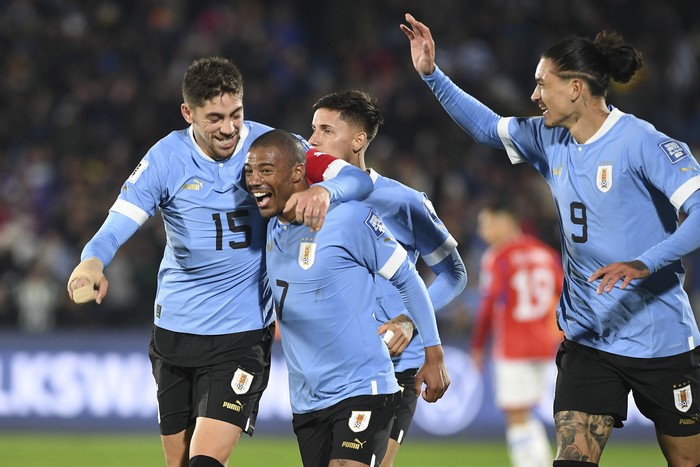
(205, 461)
(568, 463)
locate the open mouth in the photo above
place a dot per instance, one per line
(262, 198)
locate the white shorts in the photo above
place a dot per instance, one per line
(520, 384)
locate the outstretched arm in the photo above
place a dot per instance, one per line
(422, 45)
(475, 118)
(87, 282)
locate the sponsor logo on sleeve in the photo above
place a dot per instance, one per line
(674, 150)
(375, 224)
(143, 165)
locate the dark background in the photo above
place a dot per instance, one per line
(86, 87)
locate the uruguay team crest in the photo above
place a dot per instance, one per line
(241, 381)
(307, 254)
(359, 420)
(604, 178)
(683, 398)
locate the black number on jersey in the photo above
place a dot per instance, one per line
(578, 217)
(280, 305)
(231, 219)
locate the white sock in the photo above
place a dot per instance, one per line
(528, 445)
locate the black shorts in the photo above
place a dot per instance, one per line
(220, 377)
(407, 406)
(666, 390)
(356, 428)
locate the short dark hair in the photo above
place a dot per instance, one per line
(207, 78)
(502, 204)
(288, 145)
(356, 107)
(595, 61)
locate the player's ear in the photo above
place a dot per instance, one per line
(186, 112)
(298, 173)
(576, 88)
(359, 141)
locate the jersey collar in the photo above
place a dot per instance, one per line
(374, 175)
(613, 117)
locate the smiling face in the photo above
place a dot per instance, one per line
(217, 124)
(271, 178)
(555, 96)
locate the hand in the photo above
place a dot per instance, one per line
(422, 45)
(434, 374)
(87, 282)
(610, 274)
(402, 328)
(310, 206)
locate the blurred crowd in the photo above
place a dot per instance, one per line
(88, 86)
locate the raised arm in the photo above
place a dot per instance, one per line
(422, 45)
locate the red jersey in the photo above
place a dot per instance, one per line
(520, 285)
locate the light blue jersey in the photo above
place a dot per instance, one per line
(211, 223)
(617, 197)
(325, 297)
(411, 218)
(212, 278)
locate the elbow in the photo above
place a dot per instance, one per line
(461, 278)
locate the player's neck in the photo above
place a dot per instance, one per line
(590, 121)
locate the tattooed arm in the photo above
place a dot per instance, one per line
(581, 436)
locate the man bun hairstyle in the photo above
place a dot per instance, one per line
(597, 61)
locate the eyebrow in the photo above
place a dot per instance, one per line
(219, 114)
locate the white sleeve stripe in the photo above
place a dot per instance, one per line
(333, 168)
(513, 153)
(131, 211)
(394, 263)
(684, 191)
(442, 252)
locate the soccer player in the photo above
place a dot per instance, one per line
(344, 124)
(213, 319)
(618, 185)
(520, 285)
(343, 390)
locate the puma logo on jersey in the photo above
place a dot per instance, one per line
(354, 444)
(195, 185)
(236, 406)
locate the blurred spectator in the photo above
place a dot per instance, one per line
(88, 86)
